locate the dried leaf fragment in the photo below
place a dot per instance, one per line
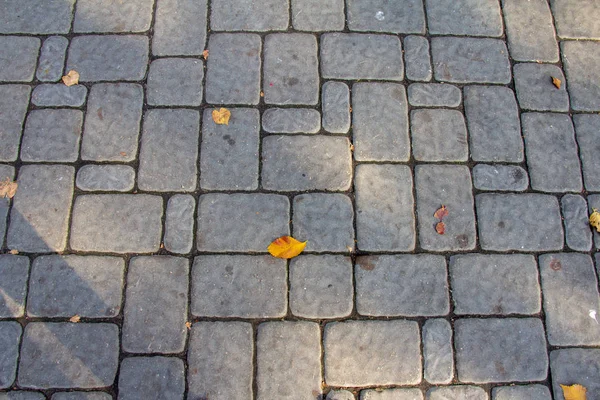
(14, 252)
(71, 78)
(221, 116)
(595, 219)
(556, 82)
(441, 213)
(188, 325)
(440, 228)
(205, 54)
(574, 392)
(8, 188)
(286, 247)
(75, 319)
(123, 154)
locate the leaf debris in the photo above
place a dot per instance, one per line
(440, 228)
(205, 54)
(221, 116)
(75, 319)
(441, 212)
(71, 78)
(8, 188)
(574, 392)
(286, 247)
(188, 325)
(556, 82)
(595, 219)
(14, 252)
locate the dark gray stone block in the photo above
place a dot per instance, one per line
(52, 135)
(439, 135)
(179, 224)
(58, 95)
(22, 395)
(384, 16)
(179, 27)
(81, 396)
(20, 57)
(457, 393)
(249, 15)
(10, 336)
(175, 82)
(497, 177)
(576, 19)
(438, 359)
(535, 89)
(14, 272)
(570, 366)
(151, 377)
(531, 392)
(291, 120)
(587, 128)
(36, 16)
(318, 15)
(578, 233)
(52, 59)
(14, 100)
(111, 16)
(95, 177)
(464, 17)
(582, 66)
(434, 95)
(335, 103)
(417, 58)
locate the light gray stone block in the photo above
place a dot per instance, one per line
(58, 95)
(111, 16)
(318, 15)
(434, 95)
(52, 135)
(22, 395)
(179, 224)
(335, 103)
(457, 393)
(578, 233)
(52, 59)
(14, 273)
(576, 19)
(532, 392)
(417, 58)
(249, 15)
(438, 359)
(98, 177)
(501, 178)
(175, 82)
(464, 17)
(291, 120)
(535, 89)
(20, 58)
(36, 16)
(391, 394)
(179, 27)
(151, 377)
(10, 336)
(581, 61)
(587, 129)
(572, 366)
(14, 100)
(339, 395)
(384, 16)
(439, 135)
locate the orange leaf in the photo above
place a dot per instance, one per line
(188, 325)
(574, 392)
(205, 54)
(221, 116)
(8, 188)
(72, 78)
(14, 251)
(75, 319)
(286, 247)
(556, 82)
(441, 213)
(440, 228)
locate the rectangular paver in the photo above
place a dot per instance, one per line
(249, 15)
(336, 107)
(10, 337)
(417, 58)
(434, 95)
(582, 65)
(576, 19)
(577, 226)
(36, 16)
(385, 16)
(438, 356)
(14, 100)
(52, 59)
(147, 377)
(579, 366)
(439, 135)
(587, 129)
(105, 177)
(179, 224)
(318, 15)
(52, 135)
(500, 178)
(14, 273)
(464, 17)
(113, 16)
(291, 120)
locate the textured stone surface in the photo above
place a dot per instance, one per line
(577, 228)
(20, 57)
(95, 177)
(438, 360)
(319, 162)
(464, 60)
(233, 73)
(117, 223)
(417, 58)
(588, 138)
(36, 16)
(111, 16)
(495, 284)
(220, 360)
(576, 19)
(81, 396)
(169, 151)
(385, 353)
(385, 219)
(535, 89)
(249, 15)
(52, 59)
(457, 393)
(66, 355)
(402, 285)
(335, 100)
(288, 360)
(497, 177)
(239, 286)
(14, 272)
(391, 394)
(179, 27)
(434, 95)
(500, 350)
(22, 395)
(291, 120)
(532, 392)
(52, 135)
(14, 100)
(439, 135)
(58, 95)
(380, 139)
(241, 222)
(318, 15)
(582, 66)
(63, 286)
(340, 395)
(384, 16)
(229, 153)
(10, 336)
(151, 377)
(451, 186)
(179, 224)
(156, 305)
(570, 295)
(40, 213)
(175, 82)
(361, 56)
(580, 366)
(464, 17)
(321, 286)
(6, 172)
(511, 222)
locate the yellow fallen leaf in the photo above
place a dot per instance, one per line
(595, 219)
(71, 78)
(286, 247)
(188, 325)
(574, 392)
(14, 252)
(221, 116)
(556, 82)
(8, 188)
(75, 319)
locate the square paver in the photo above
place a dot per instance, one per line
(151, 377)
(318, 15)
(175, 82)
(576, 19)
(249, 15)
(385, 16)
(464, 17)
(439, 135)
(14, 273)
(14, 100)
(10, 336)
(582, 66)
(113, 16)
(20, 54)
(535, 89)
(179, 27)
(575, 366)
(52, 135)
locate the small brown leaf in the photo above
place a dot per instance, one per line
(71, 78)
(14, 252)
(188, 325)
(123, 154)
(556, 82)
(441, 213)
(574, 392)
(595, 219)
(221, 116)
(75, 319)
(440, 228)
(205, 54)
(351, 147)
(8, 188)
(286, 247)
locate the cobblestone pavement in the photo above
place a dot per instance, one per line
(352, 122)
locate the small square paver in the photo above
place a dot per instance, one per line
(385, 16)
(14, 100)
(582, 66)
(587, 128)
(249, 15)
(438, 355)
(531, 392)
(439, 135)
(14, 273)
(576, 19)
(535, 89)
(20, 54)
(52, 59)
(36, 16)
(175, 82)
(318, 15)
(113, 16)
(575, 366)
(151, 377)
(577, 226)
(457, 393)
(52, 135)
(179, 224)
(10, 336)
(291, 120)
(501, 178)
(105, 177)
(464, 17)
(179, 27)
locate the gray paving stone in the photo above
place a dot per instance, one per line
(22, 395)
(40, 213)
(464, 17)
(36, 16)
(532, 392)
(588, 138)
(512, 222)
(384, 353)
(495, 284)
(291, 72)
(109, 57)
(94, 177)
(448, 185)
(88, 355)
(401, 285)
(239, 286)
(551, 152)
(576, 19)
(457, 393)
(21, 53)
(175, 82)
(151, 378)
(438, 360)
(249, 15)
(500, 350)
(318, 15)
(52, 59)
(10, 336)
(530, 30)
(220, 361)
(169, 151)
(280, 346)
(241, 222)
(384, 16)
(292, 163)
(291, 120)
(434, 95)
(576, 366)
(391, 394)
(14, 100)
(233, 73)
(361, 56)
(325, 220)
(81, 396)
(385, 218)
(229, 153)
(113, 16)
(153, 322)
(112, 122)
(494, 127)
(321, 286)
(179, 224)
(464, 60)
(439, 135)
(5, 172)
(179, 27)
(417, 58)
(64, 286)
(58, 95)
(594, 203)
(577, 227)
(335, 103)
(339, 395)
(117, 223)
(14, 272)
(497, 177)
(535, 89)
(380, 139)
(52, 135)
(582, 66)
(570, 291)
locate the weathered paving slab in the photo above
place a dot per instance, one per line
(179, 27)
(81, 396)
(575, 365)
(52, 135)
(179, 224)
(340, 395)
(581, 63)
(22, 395)
(36, 16)
(58, 95)
(13, 106)
(392, 394)
(577, 227)
(147, 377)
(532, 392)
(588, 139)
(10, 336)
(52, 59)
(464, 17)
(438, 359)
(497, 177)
(434, 95)
(576, 19)
(101, 177)
(335, 100)
(14, 273)
(175, 82)
(318, 15)
(19, 65)
(439, 135)
(417, 58)
(291, 120)
(110, 16)
(457, 393)
(535, 89)
(249, 15)
(384, 16)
